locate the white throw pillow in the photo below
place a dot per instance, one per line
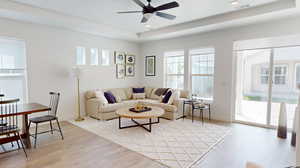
(100, 95)
(138, 95)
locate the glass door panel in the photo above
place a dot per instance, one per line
(286, 71)
(253, 85)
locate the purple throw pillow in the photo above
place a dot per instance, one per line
(167, 97)
(110, 97)
(138, 90)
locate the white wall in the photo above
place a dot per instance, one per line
(222, 41)
(51, 55)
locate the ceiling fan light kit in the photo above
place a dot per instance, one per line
(148, 10)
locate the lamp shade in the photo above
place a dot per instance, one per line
(76, 72)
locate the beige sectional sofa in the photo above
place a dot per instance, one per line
(97, 108)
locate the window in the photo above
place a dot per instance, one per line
(13, 81)
(174, 69)
(105, 57)
(80, 56)
(202, 72)
(94, 56)
(264, 75)
(279, 75)
(280, 72)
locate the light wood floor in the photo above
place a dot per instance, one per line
(254, 144)
(82, 149)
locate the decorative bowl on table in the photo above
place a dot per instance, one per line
(139, 108)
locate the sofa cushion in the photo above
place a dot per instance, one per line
(154, 96)
(110, 97)
(148, 92)
(184, 94)
(112, 107)
(138, 95)
(90, 94)
(138, 90)
(128, 92)
(100, 96)
(130, 102)
(166, 107)
(167, 97)
(119, 94)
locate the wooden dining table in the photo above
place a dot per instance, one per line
(25, 110)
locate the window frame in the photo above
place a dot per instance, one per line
(97, 57)
(84, 56)
(281, 75)
(166, 74)
(109, 57)
(191, 75)
(264, 75)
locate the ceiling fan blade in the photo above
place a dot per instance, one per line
(144, 20)
(167, 6)
(139, 3)
(165, 15)
(130, 12)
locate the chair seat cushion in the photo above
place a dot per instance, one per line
(42, 119)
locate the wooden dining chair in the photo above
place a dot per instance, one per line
(51, 116)
(8, 111)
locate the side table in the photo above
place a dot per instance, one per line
(195, 106)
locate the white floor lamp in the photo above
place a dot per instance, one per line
(77, 73)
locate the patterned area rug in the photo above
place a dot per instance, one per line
(176, 144)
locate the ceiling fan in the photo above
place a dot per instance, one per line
(148, 10)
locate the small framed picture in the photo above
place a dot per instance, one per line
(150, 66)
(119, 57)
(130, 70)
(120, 71)
(130, 59)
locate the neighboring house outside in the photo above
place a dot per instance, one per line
(286, 75)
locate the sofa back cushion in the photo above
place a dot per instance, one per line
(128, 92)
(138, 90)
(110, 97)
(119, 94)
(154, 96)
(184, 94)
(148, 92)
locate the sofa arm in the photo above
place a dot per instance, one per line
(179, 104)
(93, 105)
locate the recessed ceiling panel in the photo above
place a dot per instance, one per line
(104, 11)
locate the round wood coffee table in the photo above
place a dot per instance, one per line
(155, 112)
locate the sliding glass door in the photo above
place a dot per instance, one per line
(286, 73)
(265, 79)
(253, 91)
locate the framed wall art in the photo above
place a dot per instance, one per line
(150, 66)
(130, 71)
(130, 59)
(119, 57)
(120, 71)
